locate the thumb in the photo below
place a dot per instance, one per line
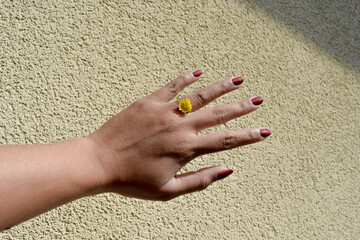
(195, 181)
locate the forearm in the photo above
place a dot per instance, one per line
(38, 178)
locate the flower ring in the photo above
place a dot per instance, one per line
(185, 105)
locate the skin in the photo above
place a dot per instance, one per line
(137, 153)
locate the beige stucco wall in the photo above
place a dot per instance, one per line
(67, 66)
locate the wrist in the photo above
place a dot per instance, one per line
(95, 179)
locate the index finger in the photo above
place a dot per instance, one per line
(203, 96)
(170, 90)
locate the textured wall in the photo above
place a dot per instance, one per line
(68, 66)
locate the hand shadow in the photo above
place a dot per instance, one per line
(333, 25)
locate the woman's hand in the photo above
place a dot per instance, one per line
(137, 153)
(142, 148)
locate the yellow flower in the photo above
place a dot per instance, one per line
(185, 105)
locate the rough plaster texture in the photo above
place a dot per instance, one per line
(67, 66)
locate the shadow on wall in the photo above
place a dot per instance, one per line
(333, 25)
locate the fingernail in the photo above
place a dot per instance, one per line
(265, 132)
(224, 174)
(197, 73)
(237, 81)
(257, 100)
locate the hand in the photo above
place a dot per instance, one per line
(142, 148)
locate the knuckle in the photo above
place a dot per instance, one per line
(203, 183)
(253, 136)
(243, 107)
(182, 79)
(140, 104)
(219, 113)
(183, 151)
(224, 86)
(229, 140)
(172, 88)
(201, 97)
(171, 125)
(183, 148)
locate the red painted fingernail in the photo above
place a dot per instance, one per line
(197, 73)
(265, 132)
(257, 100)
(237, 81)
(224, 174)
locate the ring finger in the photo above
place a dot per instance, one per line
(226, 140)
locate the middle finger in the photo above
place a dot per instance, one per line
(216, 115)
